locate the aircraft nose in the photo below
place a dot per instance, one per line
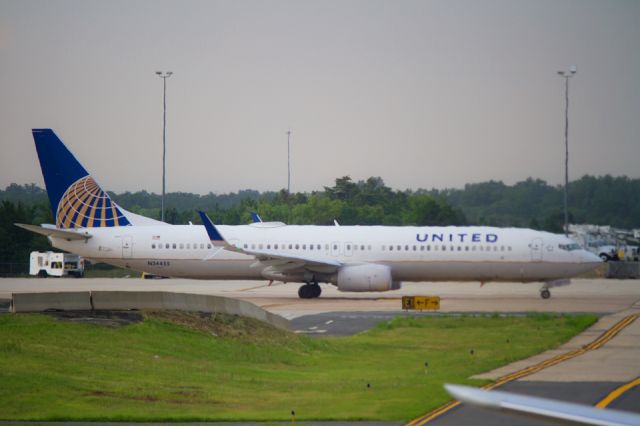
(588, 257)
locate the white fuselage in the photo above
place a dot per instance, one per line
(413, 253)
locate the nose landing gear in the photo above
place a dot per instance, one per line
(309, 291)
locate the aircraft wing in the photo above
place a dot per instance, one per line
(551, 410)
(276, 259)
(66, 234)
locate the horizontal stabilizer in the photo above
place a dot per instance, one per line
(55, 232)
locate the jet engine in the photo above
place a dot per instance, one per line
(367, 277)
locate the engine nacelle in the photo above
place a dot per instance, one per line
(368, 277)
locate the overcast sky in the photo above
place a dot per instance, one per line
(422, 93)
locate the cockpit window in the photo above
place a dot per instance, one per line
(569, 247)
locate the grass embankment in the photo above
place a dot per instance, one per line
(184, 367)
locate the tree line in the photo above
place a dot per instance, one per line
(603, 200)
(531, 203)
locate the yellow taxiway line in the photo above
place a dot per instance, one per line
(617, 393)
(596, 344)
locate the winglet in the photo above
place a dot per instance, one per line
(255, 217)
(215, 236)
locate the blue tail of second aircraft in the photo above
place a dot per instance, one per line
(76, 199)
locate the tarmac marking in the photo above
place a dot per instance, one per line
(328, 322)
(252, 288)
(596, 344)
(617, 393)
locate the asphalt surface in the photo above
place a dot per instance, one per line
(343, 323)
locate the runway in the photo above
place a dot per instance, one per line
(588, 378)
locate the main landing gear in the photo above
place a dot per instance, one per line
(544, 291)
(309, 291)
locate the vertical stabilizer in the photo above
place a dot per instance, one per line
(76, 199)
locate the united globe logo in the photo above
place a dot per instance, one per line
(85, 205)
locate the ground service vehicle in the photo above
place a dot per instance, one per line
(56, 264)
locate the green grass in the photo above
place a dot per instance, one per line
(236, 369)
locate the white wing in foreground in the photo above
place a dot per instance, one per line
(548, 409)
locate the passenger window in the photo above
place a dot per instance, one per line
(473, 248)
(348, 246)
(201, 246)
(383, 248)
(444, 248)
(406, 248)
(246, 246)
(326, 246)
(310, 246)
(414, 248)
(429, 247)
(166, 245)
(362, 248)
(174, 245)
(509, 248)
(208, 246)
(260, 246)
(153, 246)
(335, 247)
(501, 248)
(399, 248)
(390, 248)
(181, 246)
(253, 246)
(466, 248)
(421, 248)
(297, 246)
(459, 248)
(275, 247)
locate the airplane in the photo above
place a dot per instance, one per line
(549, 410)
(353, 258)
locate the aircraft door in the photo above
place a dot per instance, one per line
(536, 249)
(127, 246)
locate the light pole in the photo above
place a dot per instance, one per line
(164, 77)
(288, 162)
(566, 75)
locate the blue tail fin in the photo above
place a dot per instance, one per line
(76, 199)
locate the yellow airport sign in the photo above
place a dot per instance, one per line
(421, 303)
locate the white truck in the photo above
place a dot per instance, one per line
(56, 264)
(618, 253)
